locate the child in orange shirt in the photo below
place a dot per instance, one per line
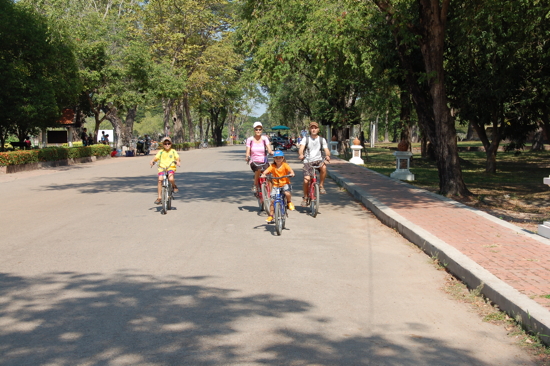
(278, 169)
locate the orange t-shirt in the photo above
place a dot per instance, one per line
(279, 172)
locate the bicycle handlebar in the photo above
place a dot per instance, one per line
(169, 165)
(284, 176)
(321, 163)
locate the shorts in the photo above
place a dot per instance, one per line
(258, 166)
(308, 168)
(286, 188)
(169, 172)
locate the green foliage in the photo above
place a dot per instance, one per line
(51, 154)
(38, 72)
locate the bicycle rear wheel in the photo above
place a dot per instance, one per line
(314, 200)
(265, 196)
(278, 218)
(260, 199)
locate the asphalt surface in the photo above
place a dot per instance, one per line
(91, 273)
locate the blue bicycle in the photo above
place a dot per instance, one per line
(279, 205)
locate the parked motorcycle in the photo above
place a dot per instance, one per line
(143, 147)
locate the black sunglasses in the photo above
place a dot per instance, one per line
(167, 143)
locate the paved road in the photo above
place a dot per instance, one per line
(92, 274)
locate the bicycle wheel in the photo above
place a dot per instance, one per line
(169, 200)
(278, 218)
(314, 201)
(164, 208)
(265, 196)
(259, 197)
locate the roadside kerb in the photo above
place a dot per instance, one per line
(528, 312)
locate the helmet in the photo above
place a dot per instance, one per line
(278, 153)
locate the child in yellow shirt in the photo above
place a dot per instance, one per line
(166, 157)
(278, 169)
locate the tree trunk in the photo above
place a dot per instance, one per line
(167, 104)
(187, 111)
(112, 116)
(179, 134)
(470, 133)
(433, 17)
(386, 126)
(538, 138)
(405, 117)
(128, 128)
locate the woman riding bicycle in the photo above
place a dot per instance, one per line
(166, 157)
(257, 148)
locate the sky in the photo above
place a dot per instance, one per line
(259, 109)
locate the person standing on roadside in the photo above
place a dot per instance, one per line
(311, 152)
(84, 136)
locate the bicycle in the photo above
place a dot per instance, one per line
(313, 189)
(167, 190)
(279, 206)
(203, 145)
(262, 192)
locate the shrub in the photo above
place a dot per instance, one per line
(51, 154)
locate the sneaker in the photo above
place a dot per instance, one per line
(269, 219)
(254, 189)
(291, 206)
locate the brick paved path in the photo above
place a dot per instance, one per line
(510, 254)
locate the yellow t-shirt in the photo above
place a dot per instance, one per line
(165, 158)
(279, 172)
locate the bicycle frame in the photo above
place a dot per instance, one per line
(167, 190)
(279, 206)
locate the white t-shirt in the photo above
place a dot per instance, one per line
(313, 151)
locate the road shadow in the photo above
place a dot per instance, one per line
(74, 318)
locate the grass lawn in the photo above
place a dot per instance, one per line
(516, 193)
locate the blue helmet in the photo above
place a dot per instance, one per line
(278, 153)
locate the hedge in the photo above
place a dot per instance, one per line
(51, 154)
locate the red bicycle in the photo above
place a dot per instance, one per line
(262, 192)
(313, 189)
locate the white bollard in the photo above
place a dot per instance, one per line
(356, 155)
(544, 229)
(333, 148)
(400, 173)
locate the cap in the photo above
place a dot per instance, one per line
(166, 138)
(313, 123)
(256, 124)
(278, 153)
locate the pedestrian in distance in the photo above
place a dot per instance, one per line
(84, 136)
(166, 158)
(312, 149)
(279, 168)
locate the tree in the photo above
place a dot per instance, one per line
(38, 71)
(429, 29)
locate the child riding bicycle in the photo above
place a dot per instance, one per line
(278, 169)
(311, 152)
(166, 157)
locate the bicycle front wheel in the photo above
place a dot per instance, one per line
(278, 218)
(169, 200)
(314, 201)
(164, 207)
(265, 196)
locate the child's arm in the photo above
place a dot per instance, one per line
(267, 171)
(290, 171)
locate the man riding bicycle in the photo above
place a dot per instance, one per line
(311, 152)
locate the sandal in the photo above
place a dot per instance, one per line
(175, 188)
(322, 190)
(158, 201)
(304, 202)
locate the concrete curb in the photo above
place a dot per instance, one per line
(10, 169)
(528, 312)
